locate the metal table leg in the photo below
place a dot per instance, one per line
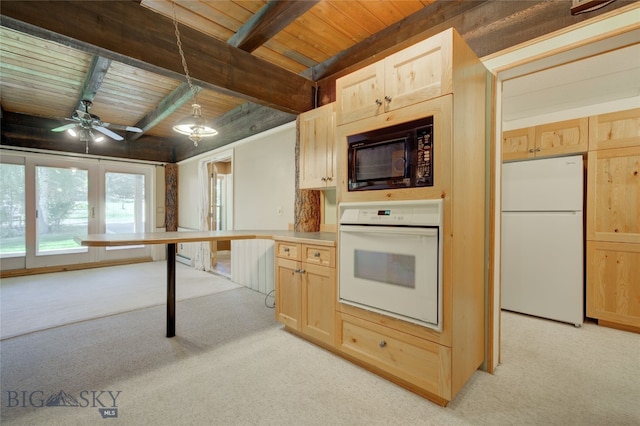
(171, 290)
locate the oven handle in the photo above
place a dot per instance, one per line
(396, 230)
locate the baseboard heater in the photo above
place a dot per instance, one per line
(183, 259)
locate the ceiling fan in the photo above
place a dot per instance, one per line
(84, 123)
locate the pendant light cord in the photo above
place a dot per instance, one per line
(184, 61)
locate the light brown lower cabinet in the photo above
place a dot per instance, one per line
(613, 284)
(306, 289)
(417, 362)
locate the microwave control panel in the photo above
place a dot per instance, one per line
(424, 160)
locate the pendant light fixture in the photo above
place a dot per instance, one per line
(194, 125)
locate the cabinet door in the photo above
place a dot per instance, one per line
(614, 130)
(317, 162)
(318, 295)
(613, 283)
(563, 137)
(417, 73)
(288, 292)
(518, 144)
(360, 94)
(613, 195)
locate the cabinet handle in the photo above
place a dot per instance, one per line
(383, 344)
(538, 149)
(388, 99)
(324, 179)
(329, 178)
(531, 150)
(286, 249)
(378, 102)
(316, 254)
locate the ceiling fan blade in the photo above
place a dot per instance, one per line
(108, 132)
(121, 127)
(63, 128)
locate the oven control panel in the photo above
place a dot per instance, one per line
(395, 213)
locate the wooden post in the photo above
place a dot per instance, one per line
(171, 197)
(307, 212)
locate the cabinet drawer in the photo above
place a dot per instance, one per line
(423, 363)
(319, 255)
(288, 250)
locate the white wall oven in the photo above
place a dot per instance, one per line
(391, 259)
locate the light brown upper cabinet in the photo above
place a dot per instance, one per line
(614, 130)
(546, 140)
(417, 73)
(613, 195)
(317, 148)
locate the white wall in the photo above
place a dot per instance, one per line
(263, 170)
(264, 180)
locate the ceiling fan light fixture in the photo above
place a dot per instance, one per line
(96, 138)
(195, 126)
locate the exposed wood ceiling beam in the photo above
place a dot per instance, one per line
(180, 96)
(432, 19)
(93, 80)
(21, 130)
(487, 26)
(124, 31)
(246, 120)
(275, 16)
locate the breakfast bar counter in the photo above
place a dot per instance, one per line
(173, 238)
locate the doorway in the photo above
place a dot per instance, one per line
(220, 212)
(604, 34)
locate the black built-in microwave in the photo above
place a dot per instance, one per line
(399, 156)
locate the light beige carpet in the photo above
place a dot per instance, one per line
(43, 301)
(231, 364)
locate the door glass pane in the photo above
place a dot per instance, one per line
(12, 212)
(219, 193)
(62, 209)
(125, 207)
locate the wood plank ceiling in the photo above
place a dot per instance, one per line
(255, 63)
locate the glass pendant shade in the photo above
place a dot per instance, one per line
(195, 126)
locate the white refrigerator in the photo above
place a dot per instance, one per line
(542, 238)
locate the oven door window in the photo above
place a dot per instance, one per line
(392, 270)
(388, 268)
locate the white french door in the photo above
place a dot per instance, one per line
(58, 207)
(125, 204)
(63, 197)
